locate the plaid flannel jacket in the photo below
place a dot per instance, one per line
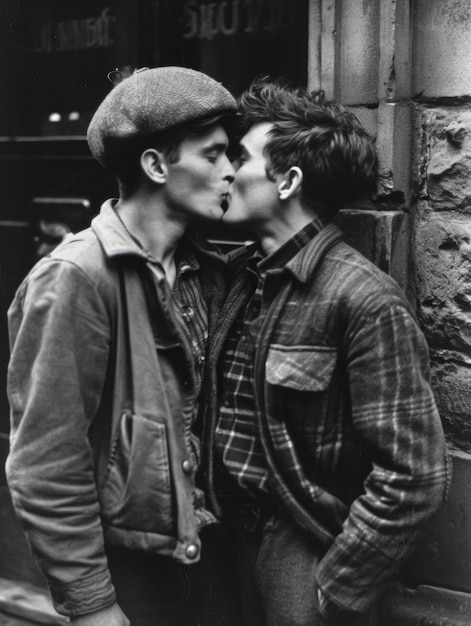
(341, 361)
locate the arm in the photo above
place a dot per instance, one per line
(396, 420)
(59, 333)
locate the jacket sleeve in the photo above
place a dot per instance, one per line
(398, 426)
(59, 335)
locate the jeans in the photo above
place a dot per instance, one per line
(277, 564)
(155, 591)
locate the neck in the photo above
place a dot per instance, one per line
(277, 232)
(148, 222)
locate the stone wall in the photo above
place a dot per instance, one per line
(443, 257)
(441, 183)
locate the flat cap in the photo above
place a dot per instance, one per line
(152, 101)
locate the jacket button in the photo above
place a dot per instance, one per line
(187, 467)
(191, 551)
(188, 312)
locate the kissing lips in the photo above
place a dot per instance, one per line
(225, 202)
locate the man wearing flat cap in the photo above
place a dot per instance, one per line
(108, 338)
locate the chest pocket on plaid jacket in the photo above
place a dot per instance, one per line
(303, 368)
(300, 391)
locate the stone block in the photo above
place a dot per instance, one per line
(381, 236)
(451, 380)
(441, 48)
(445, 144)
(358, 51)
(368, 118)
(344, 50)
(394, 149)
(394, 72)
(443, 263)
(443, 556)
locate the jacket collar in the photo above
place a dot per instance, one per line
(302, 263)
(300, 266)
(114, 238)
(117, 241)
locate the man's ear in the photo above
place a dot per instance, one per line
(154, 166)
(291, 183)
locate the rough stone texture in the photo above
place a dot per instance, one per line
(443, 257)
(441, 48)
(446, 157)
(443, 554)
(451, 378)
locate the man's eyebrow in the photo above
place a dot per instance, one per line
(216, 145)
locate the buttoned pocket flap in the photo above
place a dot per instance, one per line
(304, 368)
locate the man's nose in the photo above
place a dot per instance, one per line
(229, 171)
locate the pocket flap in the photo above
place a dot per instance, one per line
(304, 368)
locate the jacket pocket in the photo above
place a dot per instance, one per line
(301, 391)
(137, 490)
(303, 368)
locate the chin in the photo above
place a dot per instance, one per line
(231, 218)
(214, 215)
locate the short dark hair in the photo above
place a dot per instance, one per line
(126, 156)
(323, 138)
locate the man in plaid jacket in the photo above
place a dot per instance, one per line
(326, 445)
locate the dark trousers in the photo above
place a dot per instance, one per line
(155, 591)
(277, 566)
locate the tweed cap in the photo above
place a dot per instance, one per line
(152, 101)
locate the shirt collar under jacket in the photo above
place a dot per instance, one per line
(281, 257)
(297, 254)
(259, 263)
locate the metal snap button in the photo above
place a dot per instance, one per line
(191, 551)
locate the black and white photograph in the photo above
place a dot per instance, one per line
(235, 312)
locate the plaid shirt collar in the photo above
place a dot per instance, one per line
(286, 257)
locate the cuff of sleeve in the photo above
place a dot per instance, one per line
(83, 596)
(332, 612)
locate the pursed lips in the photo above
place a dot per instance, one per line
(226, 197)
